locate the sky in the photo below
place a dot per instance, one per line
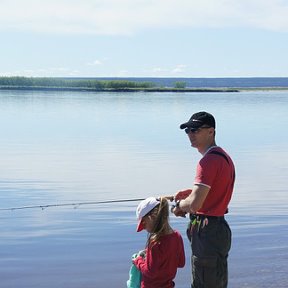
(144, 38)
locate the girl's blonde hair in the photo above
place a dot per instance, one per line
(160, 214)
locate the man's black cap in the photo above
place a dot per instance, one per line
(199, 119)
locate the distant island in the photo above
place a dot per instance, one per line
(70, 84)
(131, 84)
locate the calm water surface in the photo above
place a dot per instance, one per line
(75, 147)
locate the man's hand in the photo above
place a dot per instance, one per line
(182, 194)
(178, 212)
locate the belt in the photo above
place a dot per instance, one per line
(201, 216)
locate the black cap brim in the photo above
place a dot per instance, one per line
(191, 124)
(183, 126)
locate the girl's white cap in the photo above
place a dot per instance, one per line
(143, 209)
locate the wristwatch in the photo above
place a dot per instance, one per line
(177, 205)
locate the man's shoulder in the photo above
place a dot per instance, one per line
(220, 152)
(216, 155)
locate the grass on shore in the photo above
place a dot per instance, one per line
(70, 84)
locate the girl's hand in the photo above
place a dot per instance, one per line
(142, 253)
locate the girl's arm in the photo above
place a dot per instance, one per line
(149, 265)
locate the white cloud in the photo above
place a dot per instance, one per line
(158, 69)
(179, 69)
(130, 16)
(95, 63)
(43, 72)
(122, 73)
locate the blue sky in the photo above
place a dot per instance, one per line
(144, 38)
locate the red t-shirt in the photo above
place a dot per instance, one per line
(160, 265)
(218, 173)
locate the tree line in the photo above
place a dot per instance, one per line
(18, 81)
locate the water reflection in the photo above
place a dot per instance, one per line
(74, 147)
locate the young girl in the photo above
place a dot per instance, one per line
(164, 251)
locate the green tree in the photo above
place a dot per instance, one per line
(180, 84)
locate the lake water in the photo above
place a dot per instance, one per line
(76, 147)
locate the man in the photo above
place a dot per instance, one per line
(207, 202)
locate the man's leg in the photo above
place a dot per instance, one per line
(210, 246)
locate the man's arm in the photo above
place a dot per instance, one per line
(194, 201)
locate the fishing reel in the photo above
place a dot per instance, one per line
(174, 206)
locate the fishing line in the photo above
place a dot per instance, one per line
(70, 204)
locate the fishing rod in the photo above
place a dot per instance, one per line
(69, 204)
(77, 204)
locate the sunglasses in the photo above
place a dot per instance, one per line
(194, 130)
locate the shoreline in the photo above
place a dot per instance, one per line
(149, 85)
(150, 90)
(84, 89)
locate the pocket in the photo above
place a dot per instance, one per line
(189, 231)
(204, 271)
(227, 238)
